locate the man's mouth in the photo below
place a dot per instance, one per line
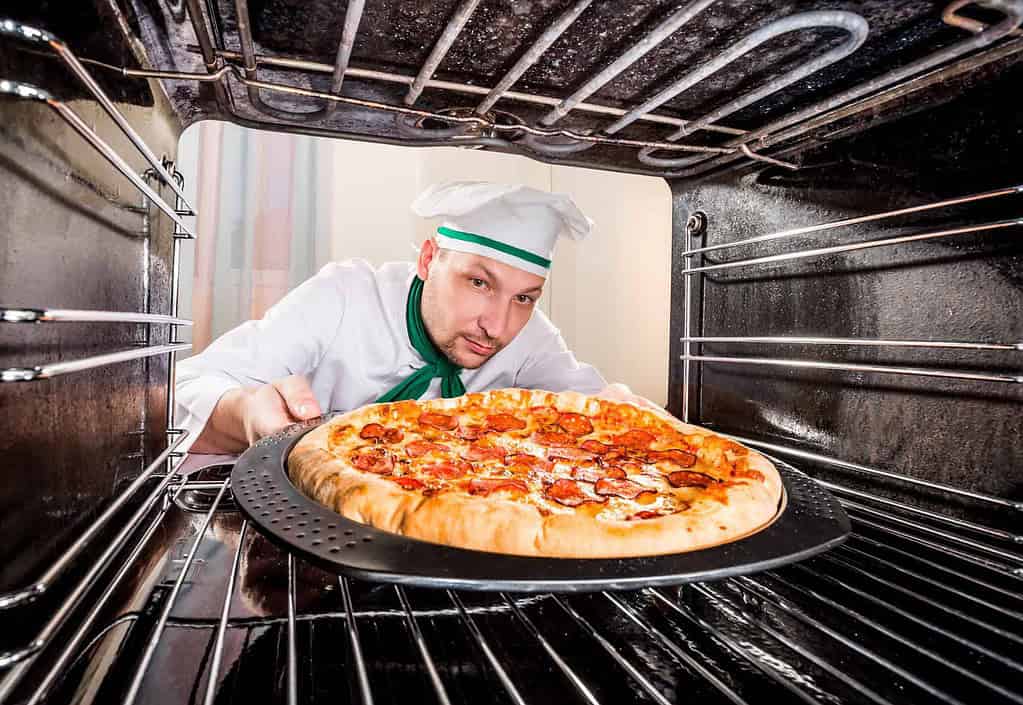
(479, 348)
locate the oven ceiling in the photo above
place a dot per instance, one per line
(393, 40)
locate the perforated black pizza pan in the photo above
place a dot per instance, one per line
(811, 522)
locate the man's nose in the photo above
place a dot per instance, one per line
(494, 319)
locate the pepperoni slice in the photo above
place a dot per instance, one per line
(569, 453)
(479, 452)
(485, 485)
(471, 433)
(675, 456)
(373, 459)
(645, 514)
(596, 447)
(544, 415)
(447, 471)
(636, 439)
(687, 478)
(380, 433)
(442, 421)
(593, 473)
(530, 461)
(568, 493)
(576, 424)
(417, 449)
(504, 422)
(410, 483)
(626, 489)
(553, 438)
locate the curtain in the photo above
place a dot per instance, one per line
(263, 202)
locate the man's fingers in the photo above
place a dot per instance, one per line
(616, 392)
(620, 392)
(298, 396)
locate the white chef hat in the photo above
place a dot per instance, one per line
(511, 223)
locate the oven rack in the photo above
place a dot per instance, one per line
(55, 315)
(155, 477)
(19, 31)
(886, 550)
(480, 128)
(30, 92)
(55, 369)
(1004, 555)
(692, 250)
(922, 592)
(59, 315)
(21, 658)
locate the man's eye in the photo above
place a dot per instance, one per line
(478, 283)
(524, 299)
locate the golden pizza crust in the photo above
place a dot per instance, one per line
(502, 525)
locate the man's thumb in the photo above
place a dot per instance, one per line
(298, 397)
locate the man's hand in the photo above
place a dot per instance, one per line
(619, 392)
(271, 407)
(243, 416)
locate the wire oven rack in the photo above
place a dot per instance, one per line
(916, 607)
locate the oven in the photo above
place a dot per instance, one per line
(846, 296)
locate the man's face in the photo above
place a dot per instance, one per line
(473, 305)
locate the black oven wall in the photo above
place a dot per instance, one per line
(966, 287)
(74, 235)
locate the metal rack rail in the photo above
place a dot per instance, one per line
(114, 524)
(28, 92)
(55, 369)
(1008, 226)
(913, 534)
(916, 607)
(60, 315)
(17, 30)
(21, 659)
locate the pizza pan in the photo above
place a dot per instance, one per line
(810, 521)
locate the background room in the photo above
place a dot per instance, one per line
(274, 208)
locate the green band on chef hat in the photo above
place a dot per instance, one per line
(495, 245)
(511, 223)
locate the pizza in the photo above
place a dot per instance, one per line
(537, 473)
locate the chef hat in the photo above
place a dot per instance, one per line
(511, 223)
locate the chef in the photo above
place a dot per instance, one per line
(462, 318)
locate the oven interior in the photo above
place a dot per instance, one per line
(846, 295)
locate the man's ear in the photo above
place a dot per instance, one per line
(428, 255)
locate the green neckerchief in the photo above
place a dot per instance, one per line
(437, 365)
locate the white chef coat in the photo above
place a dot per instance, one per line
(345, 331)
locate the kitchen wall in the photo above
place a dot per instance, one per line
(274, 208)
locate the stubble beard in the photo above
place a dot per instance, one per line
(447, 347)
